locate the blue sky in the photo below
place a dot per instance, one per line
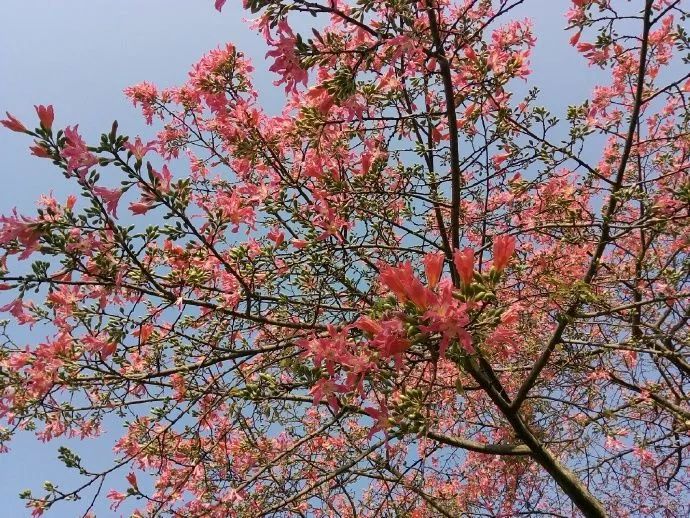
(79, 55)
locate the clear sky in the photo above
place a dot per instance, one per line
(79, 55)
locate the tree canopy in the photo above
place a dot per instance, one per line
(410, 293)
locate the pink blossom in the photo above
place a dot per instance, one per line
(40, 151)
(613, 443)
(368, 325)
(140, 207)
(380, 417)
(77, 154)
(504, 247)
(132, 479)
(99, 344)
(358, 366)
(276, 236)
(402, 281)
(464, 264)
(449, 318)
(286, 63)
(146, 95)
(433, 267)
(111, 197)
(144, 332)
(21, 228)
(13, 124)
(470, 53)
(139, 149)
(117, 498)
(645, 457)
(39, 507)
(234, 208)
(162, 180)
(391, 341)
(64, 298)
(46, 115)
(327, 389)
(499, 159)
(16, 308)
(330, 350)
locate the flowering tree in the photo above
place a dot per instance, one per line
(409, 294)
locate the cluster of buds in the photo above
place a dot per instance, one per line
(383, 307)
(481, 289)
(262, 387)
(411, 325)
(407, 412)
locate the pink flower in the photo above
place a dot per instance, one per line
(286, 63)
(402, 281)
(368, 325)
(13, 124)
(16, 308)
(139, 149)
(146, 95)
(391, 340)
(276, 236)
(116, 497)
(449, 318)
(233, 207)
(645, 457)
(97, 344)
(380, 417)
(329, 351)
(504, 247)
(161, 180)
(64, 298)
(220, 4)
(39, 151)
(144, 333)
(111, 197)
(505, 336)
(464, 264)
(433, 266)
(140, 207)
(499, 159)
(132, 479)
(327, 389)
(39, 508)
(392, 279)
(77, 154)
(22, 229)
(46, 115)
(358, 366)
